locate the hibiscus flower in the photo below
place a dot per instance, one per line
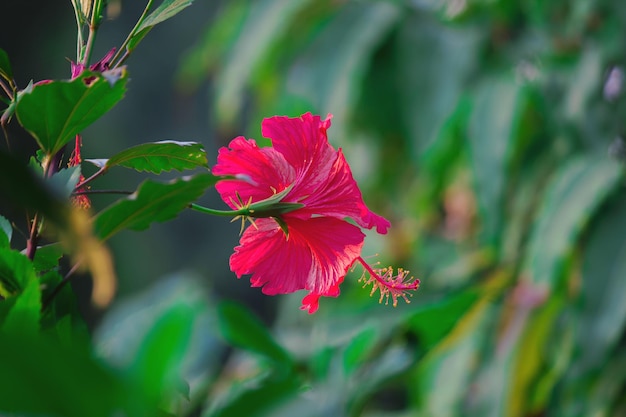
(310, 245)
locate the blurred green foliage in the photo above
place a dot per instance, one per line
(490, 134)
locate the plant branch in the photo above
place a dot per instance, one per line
(132, 33)
(6, 89)
(83, 192)
(60, 286)
(88, 180)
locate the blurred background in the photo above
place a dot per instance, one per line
(490, 134)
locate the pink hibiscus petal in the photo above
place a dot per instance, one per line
(265, 170)
(315, 257)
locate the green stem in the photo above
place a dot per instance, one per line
(79, 27)
(223, 213)
(93, 28)
(132, 33)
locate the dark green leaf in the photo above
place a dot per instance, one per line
(254, 400)
(20, 187)
(572, 197)
(240, 328)
(6, 231)
(5, 66)
(603, 315)
(157, 364)
(16, 272)
(47, 257)
(152, 202)
(55, 112)
(20, 285)
(161, 156)
(42, 377)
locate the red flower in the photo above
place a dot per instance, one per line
(312, 246)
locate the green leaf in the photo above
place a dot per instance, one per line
(64, 181)
(152, 202)
(23, 189)
(57, 111)
(433, 321)
(332, 69)
(531, 358)
(267, 21)
(254, 398)
(494, 129)
(19, 284)
(47, 257)
(42, 369)
(157, 363)
(572, 197)
(603, 311)
(431, 89)
(16, 272)
(5, 66)
(161, 156)
(359, 348)
(6, 231)
(441, 395)
(166, 10)
(240, 328)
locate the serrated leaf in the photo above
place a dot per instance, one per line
(166, 10)
(5, 66)
(240, 328)
(55, 112)
(6, 232)
(19, 284)
(152, 202)
(161, 156)
(47, 257)
(16, 271)
(577, 190)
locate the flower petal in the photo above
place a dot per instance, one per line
(315, 257)
(324, 182)
(265, 171)
(340, 197)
